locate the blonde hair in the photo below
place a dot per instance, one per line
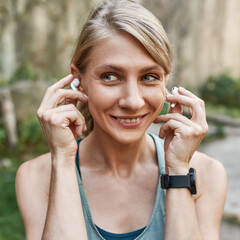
(127, 16)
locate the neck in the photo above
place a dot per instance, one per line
(120, 158)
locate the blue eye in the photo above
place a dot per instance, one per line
(109, 78)
(150, 78)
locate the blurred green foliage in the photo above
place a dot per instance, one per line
(11, 225)
(222, 89)
(165, 108)
(30, 131)
(223, 110)
(31, 144)
(31, 140)
(31, 135)
(3, 134)
(26, 72)
(3, 138)
(29, 72)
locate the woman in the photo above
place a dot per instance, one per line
(123, 59)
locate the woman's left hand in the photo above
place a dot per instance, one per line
(182, 135)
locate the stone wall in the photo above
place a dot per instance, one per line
(39, 32)
(205, 35)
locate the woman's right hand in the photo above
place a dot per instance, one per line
(62, 124)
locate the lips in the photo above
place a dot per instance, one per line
(134, 120)
(129, 119)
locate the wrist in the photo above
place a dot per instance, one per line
(60, 160)
(183, 170)
(177, 180)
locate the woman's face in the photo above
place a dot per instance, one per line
(125, 88)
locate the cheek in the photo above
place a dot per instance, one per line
(156, 98)
(101, 98)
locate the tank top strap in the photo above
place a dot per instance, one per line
(159, 144)
(155, 227)
(77, 162)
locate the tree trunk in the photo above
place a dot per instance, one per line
(9, 118)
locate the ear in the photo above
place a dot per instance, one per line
(76, 73)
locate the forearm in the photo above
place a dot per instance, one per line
(181, 218)
(64, 218)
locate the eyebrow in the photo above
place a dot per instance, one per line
(154, 67)
(107, 66)
(120, 69)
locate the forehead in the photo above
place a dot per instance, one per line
(120, 49)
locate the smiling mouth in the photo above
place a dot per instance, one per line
(133, 120)
(129, 119)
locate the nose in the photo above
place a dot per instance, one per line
(131, 96)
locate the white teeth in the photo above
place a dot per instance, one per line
(134, 120)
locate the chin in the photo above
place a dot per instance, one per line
(124, 134)
(127, 137)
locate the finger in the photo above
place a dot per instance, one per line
(66, 108)
(200, 128)
(178, 108)
(58, 85)
(195, 105)
(187, 93)
(69, 101)
(174, 116)
(70, 119)
(60, 96)
(63, 82)
(172, 126)
(63, 110)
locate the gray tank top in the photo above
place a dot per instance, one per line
(155, 228)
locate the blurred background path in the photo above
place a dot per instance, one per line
(227, 151)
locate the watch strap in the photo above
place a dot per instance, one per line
(179, 181)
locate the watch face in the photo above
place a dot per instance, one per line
(192, 174)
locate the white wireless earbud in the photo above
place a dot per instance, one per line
(174, 92)
(75, 83)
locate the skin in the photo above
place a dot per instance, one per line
(122, 81)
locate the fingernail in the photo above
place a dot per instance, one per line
(69, 75)
(85, 128)
(169, 95)
(85, 96)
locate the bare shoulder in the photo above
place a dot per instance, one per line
(36, 171)
(211, 193)
(204, 162)
(32, 189)
(211, 174)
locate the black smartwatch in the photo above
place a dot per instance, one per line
(180, 181)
